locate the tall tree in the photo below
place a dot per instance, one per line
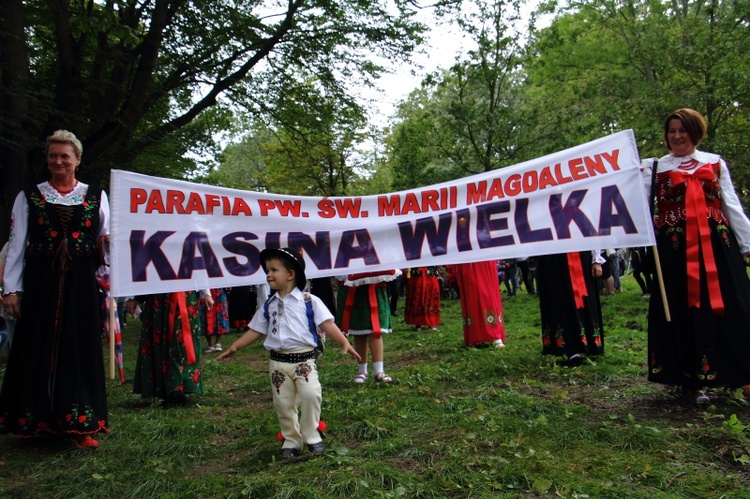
(127, 75)
(412, 146)
(315, 142)
(480, 95)
(308, 148)
(607, 65)
(242, 164)
(467, 119)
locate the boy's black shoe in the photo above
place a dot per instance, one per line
(316, 449)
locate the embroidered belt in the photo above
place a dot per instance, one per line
(292, 358)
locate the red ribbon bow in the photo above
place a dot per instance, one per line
(698, 238)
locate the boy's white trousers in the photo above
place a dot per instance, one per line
(293, 386)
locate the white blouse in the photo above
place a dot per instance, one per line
(730, 203)
(13, 273)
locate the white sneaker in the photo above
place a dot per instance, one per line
(209, 350)
(218, 348)
(702, 398)
(498, 344)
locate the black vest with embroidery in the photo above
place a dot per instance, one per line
(61, 231)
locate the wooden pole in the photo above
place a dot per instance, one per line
(660, 278)
(112, 306)
(657, 262)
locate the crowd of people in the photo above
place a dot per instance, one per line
(695, 279)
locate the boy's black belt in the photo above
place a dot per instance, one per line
(292, 358)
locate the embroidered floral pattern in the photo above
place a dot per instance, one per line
(26, 423)
(723, 231)
(277, 379)
(78, 419)
(37, 206)
(671, 199)
(492, 318)
(676, 236)
(553, 338)
(428, 271)
(584, 340)
(654, 366)
(304, 369)
(705, 373)
(79, 220)
(597, 338)
(554, 341)
(73, 198)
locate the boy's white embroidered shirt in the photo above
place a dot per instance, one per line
(286, 328)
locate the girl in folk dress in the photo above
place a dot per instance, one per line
(169, 354)
(364, 313)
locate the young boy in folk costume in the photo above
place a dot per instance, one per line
(285, 326)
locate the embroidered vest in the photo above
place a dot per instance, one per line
(63, 232)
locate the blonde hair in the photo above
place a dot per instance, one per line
(65, 137)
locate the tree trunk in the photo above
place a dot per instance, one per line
(14, 107)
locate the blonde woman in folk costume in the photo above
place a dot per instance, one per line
(54, 383)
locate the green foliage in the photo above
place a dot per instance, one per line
(458, 422)
(605, 66)
(144, 83)
(298, 160)
(313, 143)
(466, 119)
(314, 146)
(481, 96)
(412, 144)
(599, 67)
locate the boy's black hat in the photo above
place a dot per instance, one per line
(290, 255)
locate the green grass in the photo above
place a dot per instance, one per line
(458, 422)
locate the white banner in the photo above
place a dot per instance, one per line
(170, 235)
